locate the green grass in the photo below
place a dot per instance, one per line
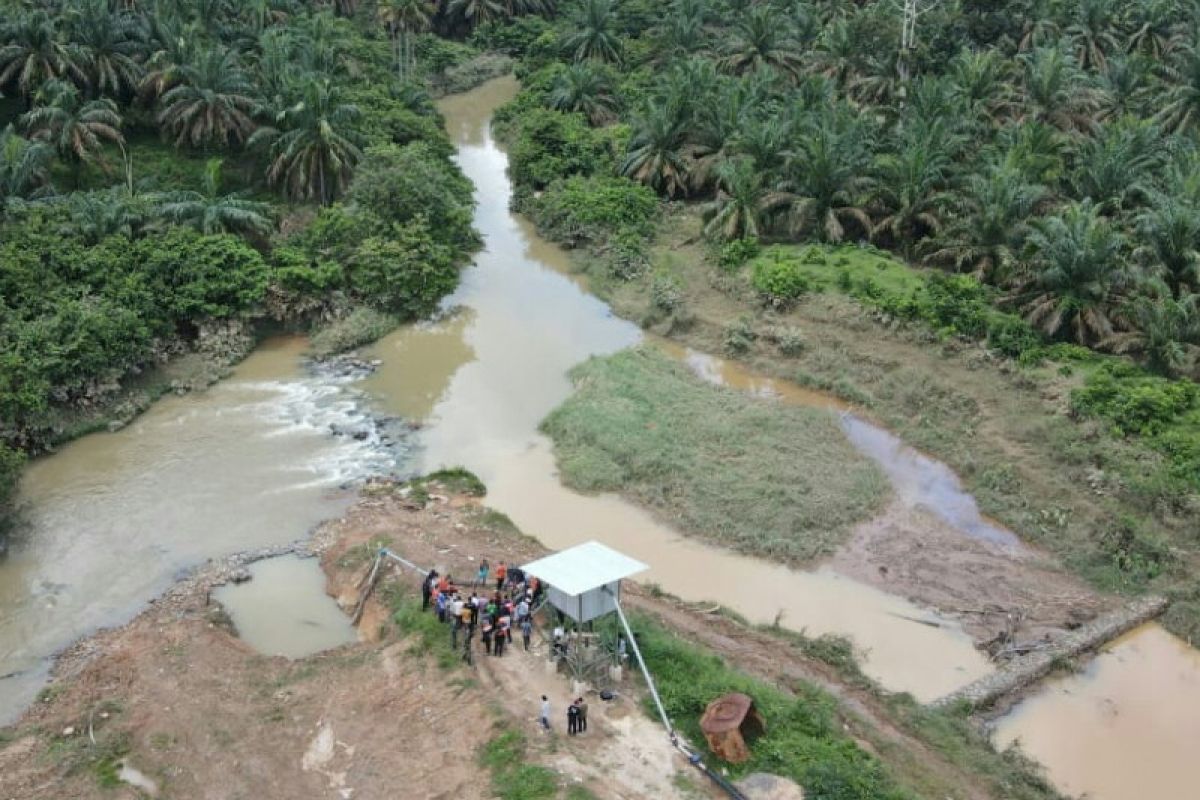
(360, 327)
(765, 478)
(431, 637)
(804, 740)
(512, 779)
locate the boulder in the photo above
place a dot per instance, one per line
(763, 786)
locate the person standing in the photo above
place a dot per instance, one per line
(581, 704)
(481, 577)
(467, 654)
(572, 719)
(526, 631)
(545, 713)
(501, 574)
(498, 639)
(487, 637)
(427, 589)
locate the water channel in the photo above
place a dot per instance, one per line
(252, 462)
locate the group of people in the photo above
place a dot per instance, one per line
(576, 715)
(494, 615)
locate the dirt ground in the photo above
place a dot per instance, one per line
(178, 697)
(996, 592)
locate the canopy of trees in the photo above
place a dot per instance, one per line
(1047, 147)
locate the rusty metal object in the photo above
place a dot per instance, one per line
(729, 723)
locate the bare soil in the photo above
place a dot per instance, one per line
(200, 713)
(996, 592)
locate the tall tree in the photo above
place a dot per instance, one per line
(111, 44)
(34, 53)
(594, 33)
(745, 205)
(762, 38)
(1077, 278)
(212, 103)
(584, 88)
(827, 170)
(76, 129)
(655, 156)
(1168, 243)
(314, 146)
(403, 18)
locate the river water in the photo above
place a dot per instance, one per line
(251, 462)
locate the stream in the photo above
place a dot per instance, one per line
(114, 518)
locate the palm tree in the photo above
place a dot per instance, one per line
(911, 190)
(1056, 91)
(584, 88)
(109, 212)
(594, 34)
(1168, 243)
(477, 12)
(1077, 276)
(980, 81)
(744, 204)
(111, 45)
(1115, 165)
(1035, 149)
(1163, 329)
(33, 54)
(76, 130)
(403, 18)
(761, 39)
(172, 47)
(212, 104)
(1180, 111)
(1155, 32)
(209, 211)
(839, 54)
(1123, 86)
(1091, 32)
(655, 156)
(314, 147)
(987, 235)
(681, 35)
(24, 167)
(827, 172)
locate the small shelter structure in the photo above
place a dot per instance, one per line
(728, 723)
(584, 582)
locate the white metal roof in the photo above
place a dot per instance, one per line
(584, 567)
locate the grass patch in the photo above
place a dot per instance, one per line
(361, 326)
(804, 740)
(512, 779)
(459, 480)
(738, 470)
(430, 636)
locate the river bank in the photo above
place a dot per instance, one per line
(175, 694)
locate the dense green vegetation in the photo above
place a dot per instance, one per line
(170, 163)
(729, 466)
(1044, 150)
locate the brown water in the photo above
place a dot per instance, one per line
(495, 370)
(114, 518)
(284, 611)
(1126, 728)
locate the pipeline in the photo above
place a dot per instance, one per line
(677, 741)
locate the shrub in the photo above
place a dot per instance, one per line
(1135, 403)
(627, 257)
(407, 273)
(546, 145)
(777, 277)
(740, 336)
(955, 304)
(735, 253)
(665, 293)
(790, 342)
(397, 184)
(1011, 335)
(592, 210)
(513, 36)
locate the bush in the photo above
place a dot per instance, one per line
(628, 256)
(513, 36)
(1011, 335)
(777, 277)
(735, 253)
(955, 304)
(546, 145)
(407, 273)
(665, 293)
(397, 184)
(1134, 402)
(790, 342)
(592, 210)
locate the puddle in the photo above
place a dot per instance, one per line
(1126, 728)
(284, 610)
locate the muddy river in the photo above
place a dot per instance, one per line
(252, 462)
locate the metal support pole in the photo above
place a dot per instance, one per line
(662, 712)
(385, 552)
